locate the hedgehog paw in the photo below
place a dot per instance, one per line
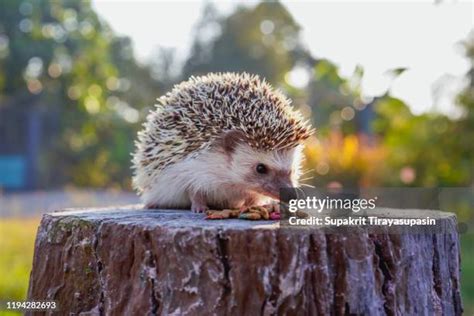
(199, 208)
(151, 206)
(198, 203)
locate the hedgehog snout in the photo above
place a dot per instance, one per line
(273, 187)
(270, 182)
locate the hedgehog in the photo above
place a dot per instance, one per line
(219, 141)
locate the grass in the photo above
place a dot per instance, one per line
(17, 236)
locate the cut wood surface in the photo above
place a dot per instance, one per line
(130, 261)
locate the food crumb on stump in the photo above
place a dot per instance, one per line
(264, 212)
(223, 214)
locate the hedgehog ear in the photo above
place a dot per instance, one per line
(230, 140)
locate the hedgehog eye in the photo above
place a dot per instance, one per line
(261, 168)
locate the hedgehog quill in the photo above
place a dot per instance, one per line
(219, 141)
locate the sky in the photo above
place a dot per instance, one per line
(420, 35)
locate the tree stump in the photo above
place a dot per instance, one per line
(130, 261)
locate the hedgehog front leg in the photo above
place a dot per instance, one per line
(198, 203)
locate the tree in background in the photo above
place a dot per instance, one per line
(263, 39)
(429, 149)
(465, 126)
(60, 58)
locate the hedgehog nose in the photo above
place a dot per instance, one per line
(285, 185)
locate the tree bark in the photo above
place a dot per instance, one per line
(129, 261)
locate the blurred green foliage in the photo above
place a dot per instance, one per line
(60, 57)
(439, 150)
(424, 144)
(263, 39)
(402, 149)
(467, 273)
